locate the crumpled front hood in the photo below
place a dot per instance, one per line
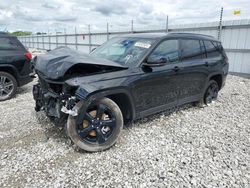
(57, 62)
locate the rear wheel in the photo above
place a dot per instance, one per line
(211, 94)
(8, 86)
(98, 128)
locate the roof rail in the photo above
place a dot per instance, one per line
(192, 34)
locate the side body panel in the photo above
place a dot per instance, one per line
(14, 60)
(151, 89)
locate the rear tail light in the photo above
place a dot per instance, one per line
(28, 55)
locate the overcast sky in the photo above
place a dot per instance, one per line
(55, 15)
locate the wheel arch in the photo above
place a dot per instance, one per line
(11, 70)
(121, 96)
(125, 105)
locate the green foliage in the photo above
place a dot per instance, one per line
(20, 33)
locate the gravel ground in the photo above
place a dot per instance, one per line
(186, 147)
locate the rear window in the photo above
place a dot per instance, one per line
(8, 43)
(213, 49)
(191, 49)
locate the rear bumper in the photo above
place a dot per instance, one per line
(224, 75)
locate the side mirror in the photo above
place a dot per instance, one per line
(155, 61)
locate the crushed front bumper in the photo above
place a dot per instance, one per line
(57, 99)
(48, 101)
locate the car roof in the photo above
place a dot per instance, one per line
(169, 35)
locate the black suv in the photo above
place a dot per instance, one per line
(14, 66)
(126, 78)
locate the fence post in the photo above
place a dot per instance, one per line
(30, 38)
(65, 37)
(43, 40)
(90, 44)
(107, 31)
(33, 45)
(167, 24)
(37, 41)
(49, 41)
(56, 40)
(132, 26)
(220, 24)
(27, 41)
(76, 42)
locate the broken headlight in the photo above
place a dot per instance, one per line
(73, 82)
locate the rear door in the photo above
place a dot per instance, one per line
(194, 70)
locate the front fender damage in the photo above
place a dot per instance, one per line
(81, 96)
(58, 106)
(68, 107)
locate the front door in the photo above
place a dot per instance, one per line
(155, 90)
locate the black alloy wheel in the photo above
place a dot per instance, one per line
(97, 125)
(211, 92)
(98, 128)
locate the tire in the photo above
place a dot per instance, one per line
(89, 135)
(8, 86)
(210, 94)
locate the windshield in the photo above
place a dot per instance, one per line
(125, 51)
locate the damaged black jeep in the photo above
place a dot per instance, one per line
(127, 78)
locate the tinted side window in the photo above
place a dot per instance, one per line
(191, 49)
(212, 49)
(221, 49)
(167, 49)
(8, 44)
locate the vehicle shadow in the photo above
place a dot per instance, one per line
(51, 131)
(59, 134)
(26, 88)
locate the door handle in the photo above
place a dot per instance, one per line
(176, 68)
(206, 64)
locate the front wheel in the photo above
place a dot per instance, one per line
(98, 128)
